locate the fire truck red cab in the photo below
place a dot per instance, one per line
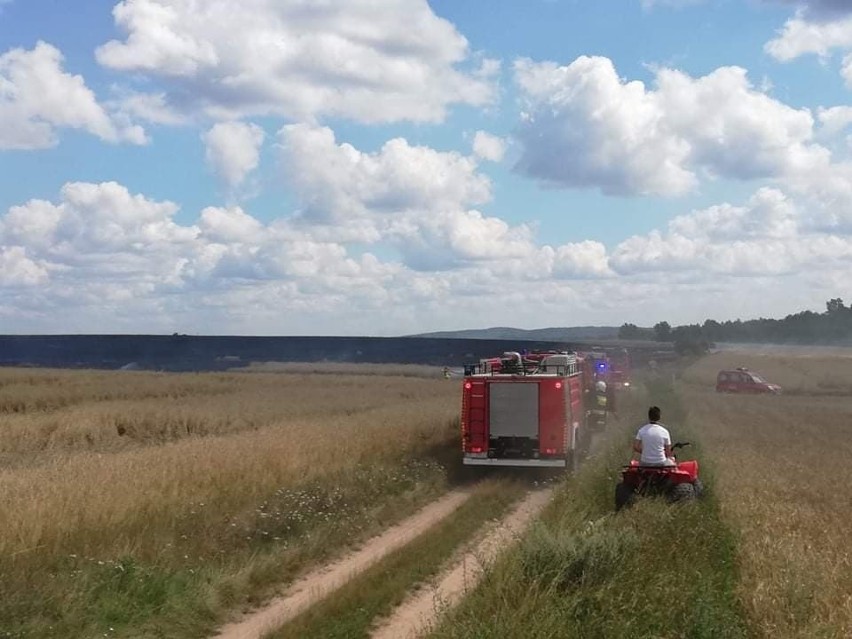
(523, 410)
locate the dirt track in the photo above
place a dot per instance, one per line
(419, 612)
(319, 583)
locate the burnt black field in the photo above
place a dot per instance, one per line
(206, 353)
(211, 353)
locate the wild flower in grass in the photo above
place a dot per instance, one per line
(292, 512)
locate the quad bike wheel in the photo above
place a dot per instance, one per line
(698, 488)
(682, 492)
(624, 496)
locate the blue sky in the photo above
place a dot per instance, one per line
(262, 168)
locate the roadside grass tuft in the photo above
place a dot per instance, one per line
(564, 560)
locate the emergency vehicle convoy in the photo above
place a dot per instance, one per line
(527, 410)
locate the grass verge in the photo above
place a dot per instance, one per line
(294, 528)
(655, 571)
(350, 612)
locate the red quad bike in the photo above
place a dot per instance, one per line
(676, 483)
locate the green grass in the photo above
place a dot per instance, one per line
(291, 530)
(350, 612)
(657, 570)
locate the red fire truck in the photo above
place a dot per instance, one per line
(620, 368)
(611, 365)
(523, 410)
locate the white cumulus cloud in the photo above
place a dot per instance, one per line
(368, 61)
(422, 203)
(587, 259)
(818, 28)
(233, 150)
(488, 147)
(102, 226)
(583, 126)
(768, 214)
(802, 36)
(149, 107)
(111, 260)
(767, 237)
(417, 199)
(17, 269)
(104, 260)
(230, 226)
(37, 97)
(834, 119)
(338, 182)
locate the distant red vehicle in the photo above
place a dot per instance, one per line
(742, 380)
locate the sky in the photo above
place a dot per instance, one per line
(283, 167)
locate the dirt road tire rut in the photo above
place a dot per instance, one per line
(322, 581)
(421, 610)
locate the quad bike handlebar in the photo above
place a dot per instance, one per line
(677, 445)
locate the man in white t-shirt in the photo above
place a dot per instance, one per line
(653, 442)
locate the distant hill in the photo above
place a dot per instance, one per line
(563, 334)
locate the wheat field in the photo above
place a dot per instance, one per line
(780, 465)
(167, 468)
(795, 369)
(90, 456)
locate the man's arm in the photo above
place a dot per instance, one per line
(637, 446)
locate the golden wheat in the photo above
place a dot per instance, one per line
(781, 466)
(797, 373)
(105, 463)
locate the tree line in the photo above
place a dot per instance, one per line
(805, 327)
